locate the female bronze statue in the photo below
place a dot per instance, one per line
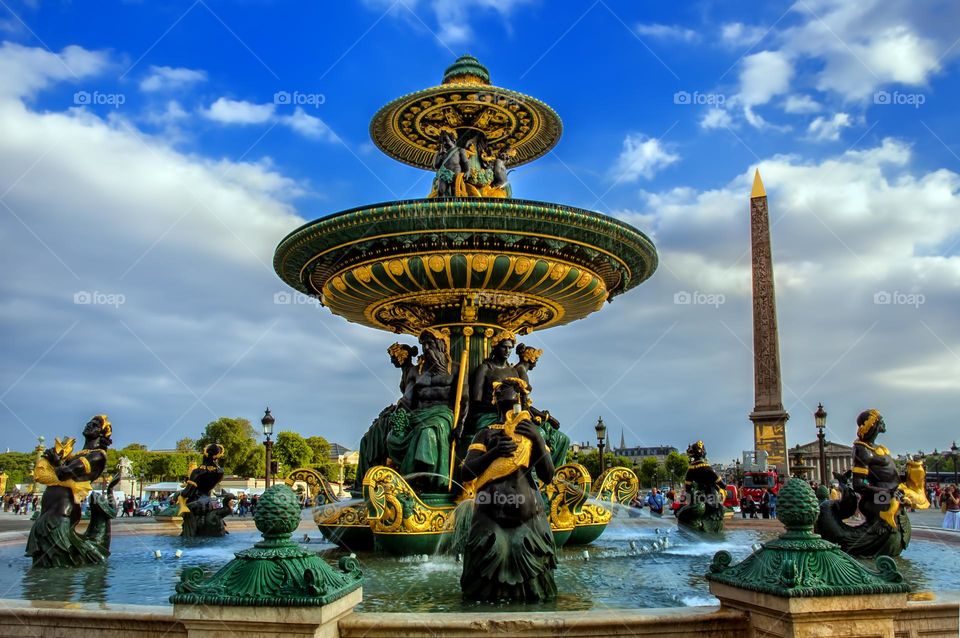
(876, 480)
(509, 553)
(204, 514)
(705, 493)
(69, 475)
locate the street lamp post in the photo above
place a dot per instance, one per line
(820, 419)
(39, 450)
(267, 422)
(601, 437)
(737, 477)
(576, 452)
(953, 456)
(340, 461)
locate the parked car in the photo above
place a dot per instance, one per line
(149, 509)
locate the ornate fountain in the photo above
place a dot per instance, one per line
(465, 270)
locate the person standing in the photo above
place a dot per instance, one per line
(655, 502)
(772, 502)
(950, 505)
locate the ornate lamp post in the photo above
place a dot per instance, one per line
(340, 461)
(39, 451)
(953, 454)
(576, 452)
(267, 422)
(820, 419)
(601, 437)
(738, 475)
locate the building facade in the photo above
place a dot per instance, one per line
(637, 454)
(839, 459)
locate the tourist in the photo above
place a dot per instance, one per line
(655, 502)
(747, 506)
(950, 505)
(834, 491)
(765, 503)
(772, 503)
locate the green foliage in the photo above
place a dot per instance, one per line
(18, 466)
(321, 449)
(243, 455)
(186, 445)
(647, 471)
(676, 465)
(135, 447)
(591, 461)
(292, 451)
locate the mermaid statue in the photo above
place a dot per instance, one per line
(705, 492)
(69, 475)
(495, 368)
(509, 552)
(418, 444)
(875, 488)
(203, 514)
(373, 444)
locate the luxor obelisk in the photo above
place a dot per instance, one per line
(768, 416)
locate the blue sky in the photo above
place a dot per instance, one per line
(146, 168)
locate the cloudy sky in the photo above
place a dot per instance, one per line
(147, 172)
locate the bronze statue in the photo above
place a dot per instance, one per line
(202, 513)
(557, 442)
(373, 444)
(69, 475)
(705, 492)
(451, 164)
(509, 553)
(873, 487)
(419, 439)
(496, 367)
(500, 187)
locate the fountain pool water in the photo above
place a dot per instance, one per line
(630, 566)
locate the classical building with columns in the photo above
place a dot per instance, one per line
(839, 459)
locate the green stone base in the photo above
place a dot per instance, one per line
(408, 544)
(586, 534)
(561, 536)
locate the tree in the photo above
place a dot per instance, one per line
(676, 466)
(292, 450)
(18, 466)
(321, 449)
(648, 471)
(243, 455)
(134, 447)
(186, 445)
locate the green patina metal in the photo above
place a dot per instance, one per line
(276, 571)
(800, 563)
(622, 255)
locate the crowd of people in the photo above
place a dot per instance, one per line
(21, 503)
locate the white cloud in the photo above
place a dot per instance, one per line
(667, 32)
(227, 111)
(165, 78)
(716, 118)
(739, 34)
(822, 129)
(763, 76)
(27, 70)
(801, 105)
(641, 156)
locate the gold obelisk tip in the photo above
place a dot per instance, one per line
(758, 190)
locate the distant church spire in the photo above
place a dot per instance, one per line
(623, 445)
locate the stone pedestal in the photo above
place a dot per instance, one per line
(214, 621)
(849, 616)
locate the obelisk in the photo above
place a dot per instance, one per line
(768, 416)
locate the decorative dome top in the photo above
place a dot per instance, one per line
(278, 512)
(466, 70)
(797, 505)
